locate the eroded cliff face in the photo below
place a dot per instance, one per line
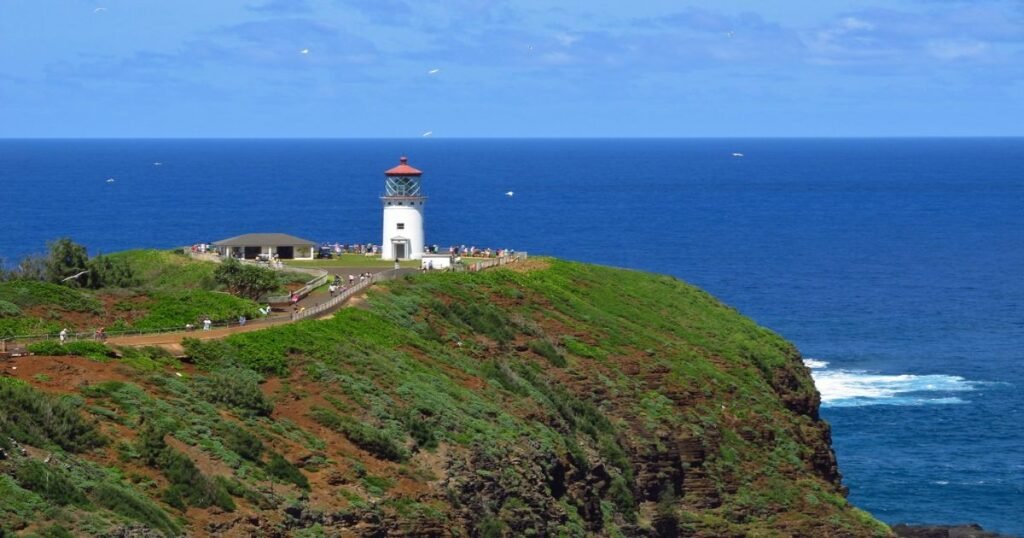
(549, 399)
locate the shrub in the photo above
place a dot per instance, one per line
(246, 280)
(421, 431)
(366, 437)
(243, 443)
(129, 504)
(209, 355)
(9, 309)
(56, 531)
(92, 350)
(189, 487)
(66, 259)
(545, 349)
(284, 470)
(237, 387)
(36, 418)
(47, 347)
(622, 497)
(108, 272)
(49, 483)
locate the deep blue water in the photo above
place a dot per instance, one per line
(898, 265)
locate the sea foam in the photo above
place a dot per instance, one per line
(854, 388)
(815, 364)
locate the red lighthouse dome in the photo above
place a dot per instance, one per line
(403, 169)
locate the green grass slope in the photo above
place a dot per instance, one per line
(550, 399)
(172, 290)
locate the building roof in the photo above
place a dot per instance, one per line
(264, 240)
(403, 169)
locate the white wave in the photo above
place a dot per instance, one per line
(853, 388)
(815, 364)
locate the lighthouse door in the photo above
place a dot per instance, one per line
(400, 250)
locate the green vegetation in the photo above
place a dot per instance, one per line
(9, 309)
(39, 419)
(31, 293)
(189, 487)
(283, 470)
(564, 400)
(174, 309)
(373, 440)
(161, 270)
(246, 280)
(139, 289)
(68, 263)
(238, 388)
(92, 350)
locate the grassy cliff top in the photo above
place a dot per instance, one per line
(546, 398)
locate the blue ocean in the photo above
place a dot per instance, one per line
(896, 265)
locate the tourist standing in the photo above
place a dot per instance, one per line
(207, 323)
(241, 320)
(63, 335)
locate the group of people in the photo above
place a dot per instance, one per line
(475, 252)
(354, 248)
(100, 334)
(207, 324)
(338, 285)
(272, 260)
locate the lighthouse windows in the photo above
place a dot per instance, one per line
(401, 225)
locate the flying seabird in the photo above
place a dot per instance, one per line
(510, 194)
(428, 133)
(110, 180)
(304, 51)
(99, 9)
(434, 71)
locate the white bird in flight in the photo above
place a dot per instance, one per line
(158, 163)
(99, 9)
(110, 180)
(434, 71)
(304, 51)
(737, 154)
(72, 277)
(428, 133)
(510, 194)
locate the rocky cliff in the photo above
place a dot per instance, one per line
(552, 398)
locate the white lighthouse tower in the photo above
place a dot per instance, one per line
(403, 213)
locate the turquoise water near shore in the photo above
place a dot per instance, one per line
(895, 265)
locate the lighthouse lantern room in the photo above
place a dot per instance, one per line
(403, 213)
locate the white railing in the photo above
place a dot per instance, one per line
(346, 293)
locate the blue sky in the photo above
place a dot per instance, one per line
(523, 68)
